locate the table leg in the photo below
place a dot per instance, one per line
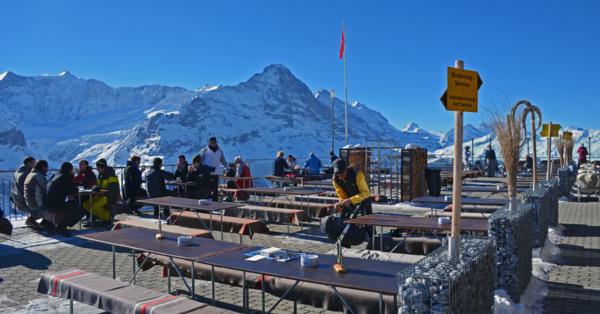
(381, 238)
(91, 213)
(193, 281)
(342, 299)
(114, 273)
(295, 307)
(288, 291)
(212, 281)
(79, 204)
(373, 237)
(168, 279)
(172, 263)
(133, 264)
(380, 303)
(71, 304)
(222, 225)
(244, 297)
(262, 286)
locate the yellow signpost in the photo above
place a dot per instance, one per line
(567, 135)
(463, 86)
(554, 128)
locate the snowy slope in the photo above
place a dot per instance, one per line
(62, 117)
(580, 135)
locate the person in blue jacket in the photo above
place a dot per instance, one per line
(313, 165)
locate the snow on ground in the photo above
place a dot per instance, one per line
(531, 299)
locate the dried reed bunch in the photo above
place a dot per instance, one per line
(510, 136)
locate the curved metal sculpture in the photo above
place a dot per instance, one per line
(533, 111)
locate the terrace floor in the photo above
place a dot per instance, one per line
(573, 286)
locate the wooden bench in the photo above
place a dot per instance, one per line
(469, 215)
(311, 209)
(280, 215)
(125, 221)
(242, 226)
(115, 296)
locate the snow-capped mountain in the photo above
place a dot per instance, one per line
(580, 135)
(63, 117)
(469, 132)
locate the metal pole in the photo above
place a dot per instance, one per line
(453, 247)
(549, 148)
(472, 152)
(590, 148)
(345, 86)
(332, 95)
(533, 135)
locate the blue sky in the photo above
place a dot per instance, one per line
(398, 51)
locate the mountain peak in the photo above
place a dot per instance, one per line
(208, 88)
(411, 127)
(277, 68)
(7, 75)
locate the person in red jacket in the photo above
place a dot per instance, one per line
(242, 171)
(85, 176)
(583, 153)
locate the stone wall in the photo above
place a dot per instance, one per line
(566, 179)
(511, 231)
(540, 200)
(554, 194)
(438, 284)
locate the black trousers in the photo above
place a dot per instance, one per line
(72, 214)
(214, 188)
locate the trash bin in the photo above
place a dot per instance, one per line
(434, 181)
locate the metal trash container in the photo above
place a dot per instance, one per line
(434, 181)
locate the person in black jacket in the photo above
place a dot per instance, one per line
(280, 165)
(60, 197)
(200, 174)
(182, 167)
(133, 184)
(155, 183)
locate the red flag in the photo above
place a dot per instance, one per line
(342, 44)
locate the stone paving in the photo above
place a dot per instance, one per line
(26, 255)
(573, 284)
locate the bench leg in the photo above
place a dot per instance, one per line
(212, 282)
(133, 264)
(71, 303)
(168, 279)
(114, 273)
(193, 281)
(262, 286)
(244, 297)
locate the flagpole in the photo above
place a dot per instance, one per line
(345, 85)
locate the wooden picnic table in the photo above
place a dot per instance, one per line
(415, 224)
(487, 189)
(181, 184)
(362, 275)
(143, 240)
(465, 201)
(191, 204)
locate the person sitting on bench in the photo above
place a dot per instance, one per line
(108, 192)
(201, 176)
(351, 188)
(17, 193)
(34, 189)
(156, 183)
(60, 196)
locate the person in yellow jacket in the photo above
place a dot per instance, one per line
(107, 192)
(351, 188)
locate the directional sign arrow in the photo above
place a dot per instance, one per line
(444, 98)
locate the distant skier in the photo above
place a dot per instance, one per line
(468, 155)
